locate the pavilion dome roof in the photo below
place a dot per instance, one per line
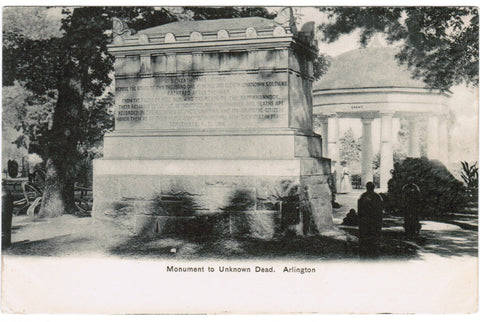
(370, 67)
(213, 25)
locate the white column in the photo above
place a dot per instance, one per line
(414, 138)
(324, 134)
(367, 151)
(386, 151)
(443, 138)
(333, 149)
(432, 137)
(332, 137)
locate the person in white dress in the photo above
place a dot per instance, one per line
(345, 184)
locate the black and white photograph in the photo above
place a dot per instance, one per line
(239, 159)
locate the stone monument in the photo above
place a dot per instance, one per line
(213, 124)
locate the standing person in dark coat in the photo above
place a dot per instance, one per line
(370, 208)
(411, 201)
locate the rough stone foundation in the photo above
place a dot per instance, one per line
(236, 206)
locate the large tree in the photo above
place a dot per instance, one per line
(72, 67)
(350, 150)
(438, 44)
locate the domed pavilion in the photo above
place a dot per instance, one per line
(367, 84)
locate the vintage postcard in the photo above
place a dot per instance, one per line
(161, 160)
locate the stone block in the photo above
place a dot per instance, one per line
(151, 225)
(227, 146)
(184, 62)
(106, 187)
(266, 58)
(200, 226)
(211, 61)
(159, 64)
(308, 146)
(132, 65)
(254, 224)
(238, 60)
(137, 187)
(273, 188)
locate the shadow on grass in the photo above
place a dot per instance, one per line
(445, 243)
(464, 222)
(55, 246)
(393, 245)
(301, 248)
(450, 243)
(315, 247)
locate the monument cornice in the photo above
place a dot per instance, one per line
(398, 110)
(211, 132)
(217, 45)
(406, 90)
(216, 72)
(376, 104)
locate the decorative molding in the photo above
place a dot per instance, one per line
(286, 18)
(223, 35)
(197, 59)
(170, 38)
(251, 33)
(368, 117)
(279, 32)
(213, 72)
(196, 36)
(171, 63)
(120, 28)
(145, 64)
(387, 113)
(143, 39)
(231, 44)
(198, 167)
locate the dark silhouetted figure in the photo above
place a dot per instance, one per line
(7, 213)
(351, 219)
(370, 207)
(12, 168)
(332, 183)
(411, 200)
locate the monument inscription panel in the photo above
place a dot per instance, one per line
(202, 102)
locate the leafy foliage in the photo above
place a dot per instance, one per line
(470, 175)
(203, 13)
(398, 156)
(321, 63)
(440, 192)
(30, 115)
(439, 44)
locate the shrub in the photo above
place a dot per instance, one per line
(470, 174)
(440, 192)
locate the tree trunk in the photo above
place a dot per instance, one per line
(52, 200)
(63, 156)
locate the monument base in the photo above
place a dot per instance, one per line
(256, 198)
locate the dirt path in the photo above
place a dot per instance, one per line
(63, 236)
